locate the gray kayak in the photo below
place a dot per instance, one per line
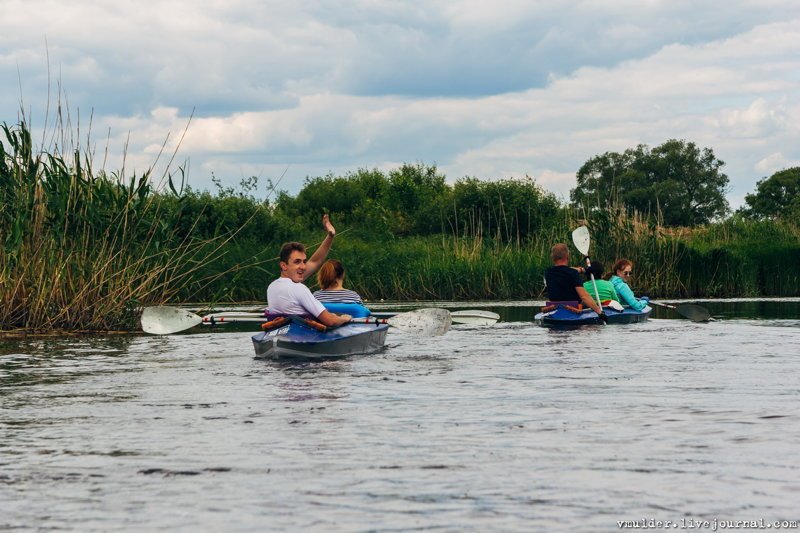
(297, 340)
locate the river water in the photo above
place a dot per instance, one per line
(505, 428)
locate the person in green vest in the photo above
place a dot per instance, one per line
(604, 287)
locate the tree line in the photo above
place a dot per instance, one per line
(676, 184)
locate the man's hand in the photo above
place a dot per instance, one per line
(326, 223)
(321, 253)
(603, 317)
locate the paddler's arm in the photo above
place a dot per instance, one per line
(587, 300)
(321, 253)
(331, 319)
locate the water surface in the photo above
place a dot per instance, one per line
(512, 428)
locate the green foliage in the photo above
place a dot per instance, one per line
(81, 250)
(677, 182)
(356, 199)
(203, 215)
(739, 257)
(493, 241)
(415, 196)
(442, 267)
(506, 210)
(416, 200)
(776, 197)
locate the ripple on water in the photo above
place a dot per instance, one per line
(499, 428)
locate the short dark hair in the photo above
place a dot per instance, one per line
(288, 248)
(597, 269)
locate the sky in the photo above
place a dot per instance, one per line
(493, 90)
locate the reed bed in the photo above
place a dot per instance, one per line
(83, 250)
(728, 259)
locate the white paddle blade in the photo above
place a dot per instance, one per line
(581, 239)
(164, 320)
(475, 317)
(430, 322)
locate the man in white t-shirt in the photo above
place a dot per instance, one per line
(287, 295)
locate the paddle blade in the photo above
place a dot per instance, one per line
(694, 312)
(163, 320)
(430, 322)
(581, 239)
(474, 317)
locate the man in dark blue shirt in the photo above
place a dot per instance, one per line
(565, 284)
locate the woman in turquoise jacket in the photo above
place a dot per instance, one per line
(619, 279)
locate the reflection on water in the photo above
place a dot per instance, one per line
(512, 427)
(754, 309)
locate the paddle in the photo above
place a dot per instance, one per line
(693, 312)
(472, 317)
(165, 320)
(430, 322)
(581, 240)
(475, 317)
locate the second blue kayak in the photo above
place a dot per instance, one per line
(563, 316)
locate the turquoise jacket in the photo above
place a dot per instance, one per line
(626, 294)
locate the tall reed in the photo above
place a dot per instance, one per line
(81, 250)
(727, 259)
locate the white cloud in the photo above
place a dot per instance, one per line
(517, 88)
(774, 163)
(758, 120)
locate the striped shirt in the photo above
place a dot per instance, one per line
(344, 296)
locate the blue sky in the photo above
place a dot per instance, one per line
(491, 90)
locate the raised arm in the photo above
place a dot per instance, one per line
(321, 253)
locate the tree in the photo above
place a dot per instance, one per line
(415, 195)
(507, 209)
(676, 180)
(776, 197)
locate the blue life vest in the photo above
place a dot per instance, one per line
(354, 310)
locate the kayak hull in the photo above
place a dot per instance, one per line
(298, 341)
(563, 317)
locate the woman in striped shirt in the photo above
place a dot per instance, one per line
(330, 278)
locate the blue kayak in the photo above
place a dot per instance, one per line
(568, 316)
(299, 338)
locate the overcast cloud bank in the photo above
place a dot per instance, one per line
(515, 89)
